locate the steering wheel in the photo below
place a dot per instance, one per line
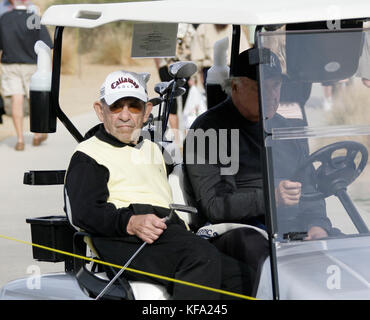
(334, 173)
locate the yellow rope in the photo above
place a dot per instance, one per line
(241, 296)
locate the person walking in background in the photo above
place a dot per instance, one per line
(363, 67)
(18, 62)
(5, 6)
(202, 45)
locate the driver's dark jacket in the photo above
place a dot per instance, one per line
(239, 197)
(226, 198)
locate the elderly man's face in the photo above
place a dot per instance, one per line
(271, 96)
(124, 118)
(245, 97)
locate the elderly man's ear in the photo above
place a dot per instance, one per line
(148, 110)
(234, 86)
(98, 107)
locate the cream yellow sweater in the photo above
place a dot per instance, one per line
(136, 174)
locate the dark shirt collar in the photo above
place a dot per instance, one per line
(269, 123)
(100, 132)
(237, 117)
(252, 129)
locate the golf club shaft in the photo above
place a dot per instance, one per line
(168, 107)
(120, 272)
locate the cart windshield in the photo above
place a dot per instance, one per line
(318, 130)
(317, 126)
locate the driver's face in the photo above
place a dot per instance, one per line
(245, 97)
(271, 95)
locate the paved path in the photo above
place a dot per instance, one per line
(18, 201)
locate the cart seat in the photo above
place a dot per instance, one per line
(93, 278)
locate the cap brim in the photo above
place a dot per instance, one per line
(112, 98)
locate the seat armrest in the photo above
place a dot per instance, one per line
(182, 207)
(79, 248)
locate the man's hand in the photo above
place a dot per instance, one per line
(316, 233)
(148, 227)
(288, 193)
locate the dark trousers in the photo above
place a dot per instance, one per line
(245, 245)
(182, 255)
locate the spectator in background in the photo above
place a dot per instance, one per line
(202, 45)
(18, 62)
(364, 65)
(5, 6)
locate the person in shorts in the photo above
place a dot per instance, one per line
(18, 62)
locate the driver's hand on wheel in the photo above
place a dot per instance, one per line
(316, 233)
(288, 193)
(148, 227)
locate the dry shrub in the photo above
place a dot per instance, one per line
(112, 47)
(69, 54)
(351, 107)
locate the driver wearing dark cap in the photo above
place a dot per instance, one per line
(237, 197)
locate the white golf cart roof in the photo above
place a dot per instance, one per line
(244, 12)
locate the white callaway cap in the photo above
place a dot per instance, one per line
(122, 84)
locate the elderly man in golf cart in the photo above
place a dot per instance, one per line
(237, 196)
(116, 188)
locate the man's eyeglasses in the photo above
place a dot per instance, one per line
(133, 106)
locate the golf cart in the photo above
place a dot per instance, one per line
(320, 45)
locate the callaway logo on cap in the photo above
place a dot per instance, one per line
(122, 84)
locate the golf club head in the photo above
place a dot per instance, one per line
(182, 69)
(156, 101)
(180, 82)
(179, 92)
(162, 87)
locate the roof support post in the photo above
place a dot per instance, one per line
(267, 174)
(55, 85)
